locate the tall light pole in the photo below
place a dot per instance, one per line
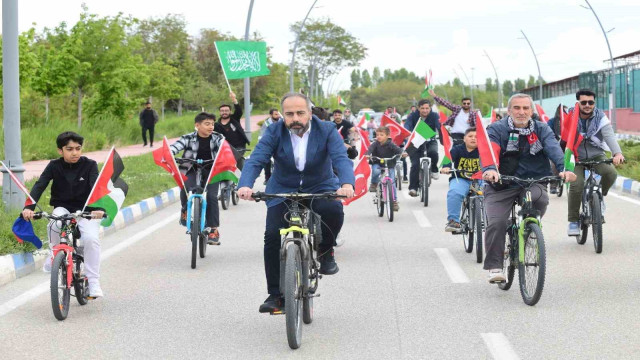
(295, 47)
(247, 92)
(470, 87)
(612, 95)
(11, 194)
(537, 64)
(500, 101)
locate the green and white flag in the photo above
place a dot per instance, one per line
(421, 133)
(242, 59)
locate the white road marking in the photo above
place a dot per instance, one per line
(421, 218)
(499, 346)
(455, 272)
(625, 198)
(43, 287)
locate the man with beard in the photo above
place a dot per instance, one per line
(461, 118)
(305, 150)
(348, 116)
(598, 137)
(342, 126)
(229, 126)
(432, 119)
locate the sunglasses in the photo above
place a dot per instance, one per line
(466, 103)
(585, 102)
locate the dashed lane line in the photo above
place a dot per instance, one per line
(499, 346)
(422, 219)
(455, 272)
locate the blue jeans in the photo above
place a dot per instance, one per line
(458, 189)
(375, 177)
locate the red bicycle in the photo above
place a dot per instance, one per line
(67, 270)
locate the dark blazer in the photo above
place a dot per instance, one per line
(325, 152)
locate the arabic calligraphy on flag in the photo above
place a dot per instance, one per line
(242, 59)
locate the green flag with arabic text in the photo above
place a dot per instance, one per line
(242, 59)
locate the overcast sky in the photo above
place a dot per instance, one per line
(414, 34)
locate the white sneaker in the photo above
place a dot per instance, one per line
(435, 175)
(496, 276)
(94, 289)
(46, 267)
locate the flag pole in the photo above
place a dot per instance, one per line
(215, 43)
(166, 141)
(493, 156)
(20, 185)
(99, 175)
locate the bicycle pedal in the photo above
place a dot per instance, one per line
(277, 312)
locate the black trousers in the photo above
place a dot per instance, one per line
(144, 133)
(332, 216)
(404, 168)
(432, 153)
(212, 218)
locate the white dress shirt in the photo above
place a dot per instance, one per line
(299, 145)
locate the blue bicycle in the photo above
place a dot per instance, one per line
(197, 210)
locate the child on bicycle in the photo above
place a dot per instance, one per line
(201, 144)
(73, 177)
(383, 147)
(464, 157)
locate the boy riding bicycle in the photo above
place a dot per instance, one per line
(383, 147)
(201, 144)
(73, 177)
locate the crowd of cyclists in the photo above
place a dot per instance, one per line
(306, 149)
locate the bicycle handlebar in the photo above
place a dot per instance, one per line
(520, 181)
(383, 160)
(590, 163)
(258, 196)
(66, 217)
(198, 162)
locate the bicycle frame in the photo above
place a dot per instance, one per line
(591, 185)
(203, 198)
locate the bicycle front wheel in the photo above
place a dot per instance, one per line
(379, 200)
(234, 197)
(532, 271)
(60, 293)
(389, 190)
(425, 183)
(195, 230)
(560, 189)
(225, 197)
(596, 222)
(80, 283)
(477, 224)
(508, 261)
(293, 294)
(465, 226)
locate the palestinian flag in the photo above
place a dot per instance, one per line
(30, 200)
(363, 120)
(446, 141)
(421, 133)
(224, 166)
(427, 86)
(109, 190)
(570, 135)
(341, 102)
(398, 133)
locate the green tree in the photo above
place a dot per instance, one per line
(532, 81)
(520, 84)
(366, 79)
(327, 48)
(163, 82)
(355, 78)
(375, 77)
(507, 88)
(489, 85)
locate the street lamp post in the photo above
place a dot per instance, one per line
(295, 47)
(247, 92)
(500, 101)
(11, 194)
(537, 64)
(612, 95)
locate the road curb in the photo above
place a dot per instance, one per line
(627, 186)
(15, 266)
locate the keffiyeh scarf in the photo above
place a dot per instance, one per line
(534, 142)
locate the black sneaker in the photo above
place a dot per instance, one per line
(273, 304)
(328, 264)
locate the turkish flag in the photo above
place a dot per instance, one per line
(398, 133)
(489, 151)
(164, 158)
(543, 116)
(362, 173)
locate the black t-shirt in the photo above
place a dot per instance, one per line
(232, 135)
(204, 148)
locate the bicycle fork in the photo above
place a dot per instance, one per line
(203, 212)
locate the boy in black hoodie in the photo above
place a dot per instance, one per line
(383, 147)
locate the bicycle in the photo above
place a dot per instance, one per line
(525, 246)
(228, 189)
(197, 210)
(472, 217)
(592, 204)
(425, 173)
(385, 190)
(67, 270)
(299, 264)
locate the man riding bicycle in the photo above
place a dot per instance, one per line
(598, 136)
(305, 150)
(432, 119)
(525, 149)
(202, 144)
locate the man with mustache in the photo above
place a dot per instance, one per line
(306, 151)
(229, 126)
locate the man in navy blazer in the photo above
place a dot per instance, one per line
(306, 151)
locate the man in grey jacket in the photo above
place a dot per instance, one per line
(598, 136)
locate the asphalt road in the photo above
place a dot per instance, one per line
(396, 295)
